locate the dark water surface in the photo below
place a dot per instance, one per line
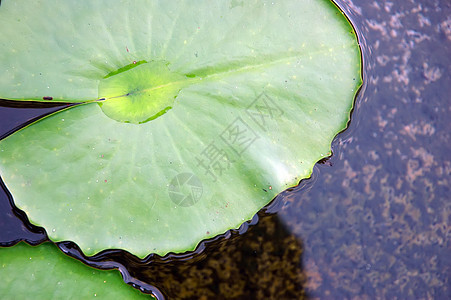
(373, 222)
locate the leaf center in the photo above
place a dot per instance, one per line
(138, 94)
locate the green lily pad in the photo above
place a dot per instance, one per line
(193, 116)
(43, 272)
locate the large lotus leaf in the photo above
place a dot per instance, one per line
(195, 114)
(43, 272)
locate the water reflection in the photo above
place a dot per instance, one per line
(376, 222)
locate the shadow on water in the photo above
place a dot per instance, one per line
(265, 264)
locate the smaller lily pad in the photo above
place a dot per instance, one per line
(43, 272)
